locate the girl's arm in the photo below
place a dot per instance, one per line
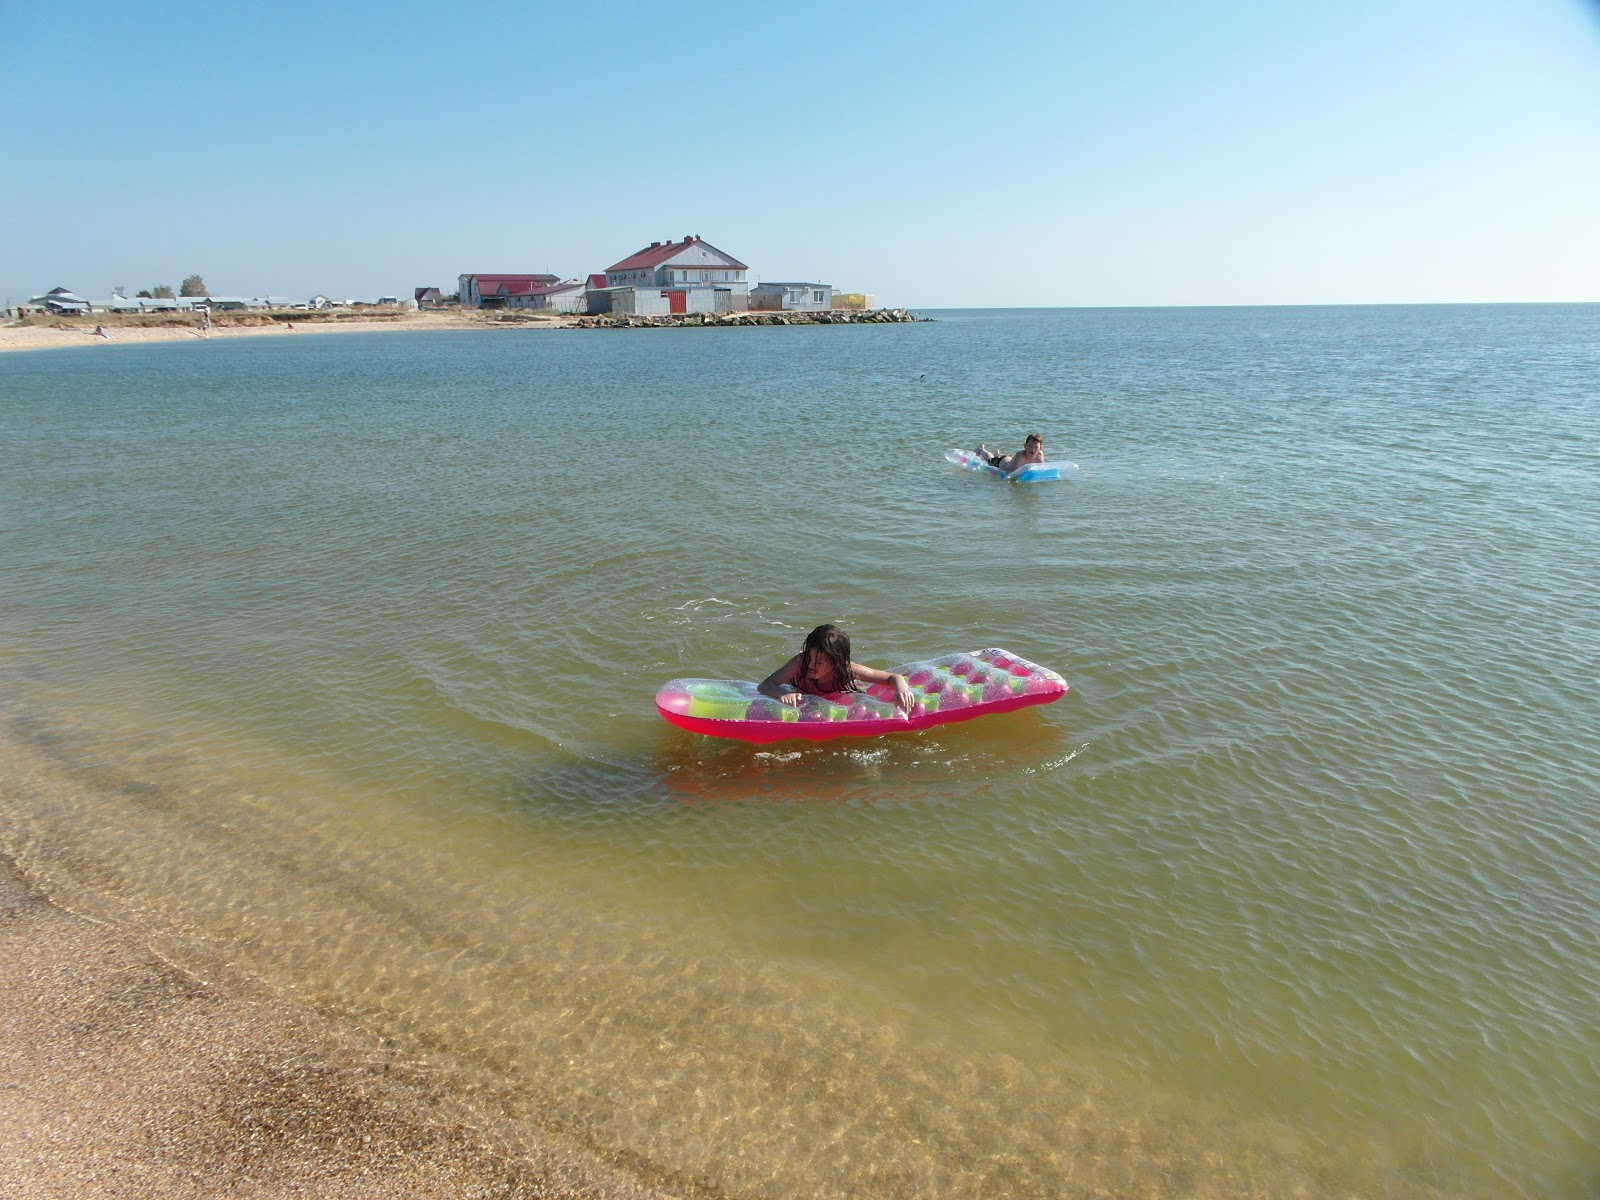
(770, 685)
(902, 689)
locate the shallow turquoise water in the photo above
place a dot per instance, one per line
(333, 659)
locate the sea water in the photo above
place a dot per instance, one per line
(331, 661)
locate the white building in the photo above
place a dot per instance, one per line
(61, 302)
(674, 277)
(792, 297)
(567, 297)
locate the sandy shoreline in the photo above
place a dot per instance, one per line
(123, 1075)
(81, 333)
(46, 335)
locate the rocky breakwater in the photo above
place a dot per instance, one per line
(877, 316)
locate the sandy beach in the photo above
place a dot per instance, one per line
(123, 1075)
(40, 334)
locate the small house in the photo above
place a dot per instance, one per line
(63, 303)
(792, 297)
(567, 297)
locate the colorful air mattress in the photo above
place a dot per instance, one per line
(956, 687)
(1032, 473)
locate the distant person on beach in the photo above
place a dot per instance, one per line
(823, 668)
(1032, 452)
(100, 332)
(205, 322)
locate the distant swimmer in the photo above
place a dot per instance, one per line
(1032, 452)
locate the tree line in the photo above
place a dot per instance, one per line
(192, 286)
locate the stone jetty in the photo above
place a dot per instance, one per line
(877, 316)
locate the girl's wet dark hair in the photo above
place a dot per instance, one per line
(833, 645)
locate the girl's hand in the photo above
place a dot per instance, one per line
(902, 694)
(792, 699)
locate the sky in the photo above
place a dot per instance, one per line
(934, 155)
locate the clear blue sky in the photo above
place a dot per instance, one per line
(933, 154)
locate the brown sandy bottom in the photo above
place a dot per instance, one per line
(122, 1075)
(453, 1036)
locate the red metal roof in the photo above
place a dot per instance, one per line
(652, 256)
(515, 285)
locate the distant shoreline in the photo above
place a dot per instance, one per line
(41, 333)
(46, 333)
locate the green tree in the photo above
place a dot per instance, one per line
(193, 286)
(143, 294)
(162, 292)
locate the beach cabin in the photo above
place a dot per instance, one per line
(427, 297)
(792, 297)
(500, 291)
(596, 298)
(62, 303)
(120, 303)
(691, 276)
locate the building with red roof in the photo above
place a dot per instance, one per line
(501, 291)
(674, 277)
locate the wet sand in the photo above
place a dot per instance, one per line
(122, 1075)
(40, 336)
